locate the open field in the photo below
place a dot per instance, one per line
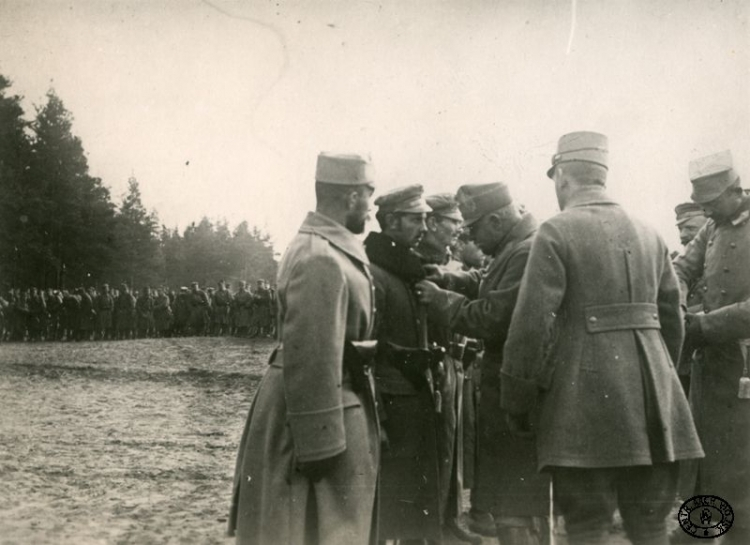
(124, 442)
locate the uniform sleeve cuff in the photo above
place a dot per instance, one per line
(318, 435)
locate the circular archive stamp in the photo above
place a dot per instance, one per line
(705, 516)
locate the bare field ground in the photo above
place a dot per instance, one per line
(122, 442)
(126, 442)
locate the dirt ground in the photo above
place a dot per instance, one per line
(124, 442)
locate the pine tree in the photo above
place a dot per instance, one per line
(14, 156)
(138, 259)
(69, 228)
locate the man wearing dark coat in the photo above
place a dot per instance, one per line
(144, 308)
(200, 307)
(480, 304)
(720, 256)
(125, 311)
(104, 306)
(37, 314)
(242, 310)
(409, 474)
(87, 322)
(434, 249)
(181, 312)
(162, 313)
(690, 219)
(592, 345)
(220, 308)
(308, 459)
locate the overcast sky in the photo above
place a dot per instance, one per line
(220, 107)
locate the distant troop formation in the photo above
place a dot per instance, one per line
(570, 367)
(119, 313)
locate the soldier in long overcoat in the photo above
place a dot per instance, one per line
(409, 474)
(105, 305)
(443, 226)
(720, 254)
(181, 312)
(144, 311)
(307, 465)
(162, 313)
(220, 307)
(242, 309)
(507, 484)
(593, 339)
(200, 308)
(87, 322)
(125, 311)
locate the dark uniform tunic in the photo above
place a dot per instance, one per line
(506, 483)
(721, 254)
(409, 477)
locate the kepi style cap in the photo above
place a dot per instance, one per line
(476, 200)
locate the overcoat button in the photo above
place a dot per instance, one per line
(705, 288)
(733, 245)
(655, 316)
(592, 319)
(723, 292)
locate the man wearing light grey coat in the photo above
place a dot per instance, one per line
(593, 343)
(307, 465)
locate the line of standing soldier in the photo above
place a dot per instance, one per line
(90, 314)
(582, 321)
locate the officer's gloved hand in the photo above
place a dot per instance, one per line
(519, 425)
(694, 331)
(317, 469)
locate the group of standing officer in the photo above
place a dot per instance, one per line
(355, 433)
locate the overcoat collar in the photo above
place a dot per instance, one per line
(522, 229)
(395, 258)
(335, 233)
(743, 212)
(589, 197)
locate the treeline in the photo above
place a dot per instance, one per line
(59, 227)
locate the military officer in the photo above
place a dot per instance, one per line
(104, 306)
(307, 465)
(242, 309)
(443, 226)
(162, 313)
(592, 341)
(125, 311)
(199, 310)
(720, 255)
(220, 308)
(690, 218)
(409, 479)
(507, 485)
(144, 307)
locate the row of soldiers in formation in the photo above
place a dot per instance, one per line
(119, 313)
(358, 431)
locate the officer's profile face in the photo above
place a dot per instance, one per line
(407, 228)
(724, 206)
(446, 230)
(482, 234)
(359, 210)
(690, 228)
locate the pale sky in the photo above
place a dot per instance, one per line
(220, 107)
